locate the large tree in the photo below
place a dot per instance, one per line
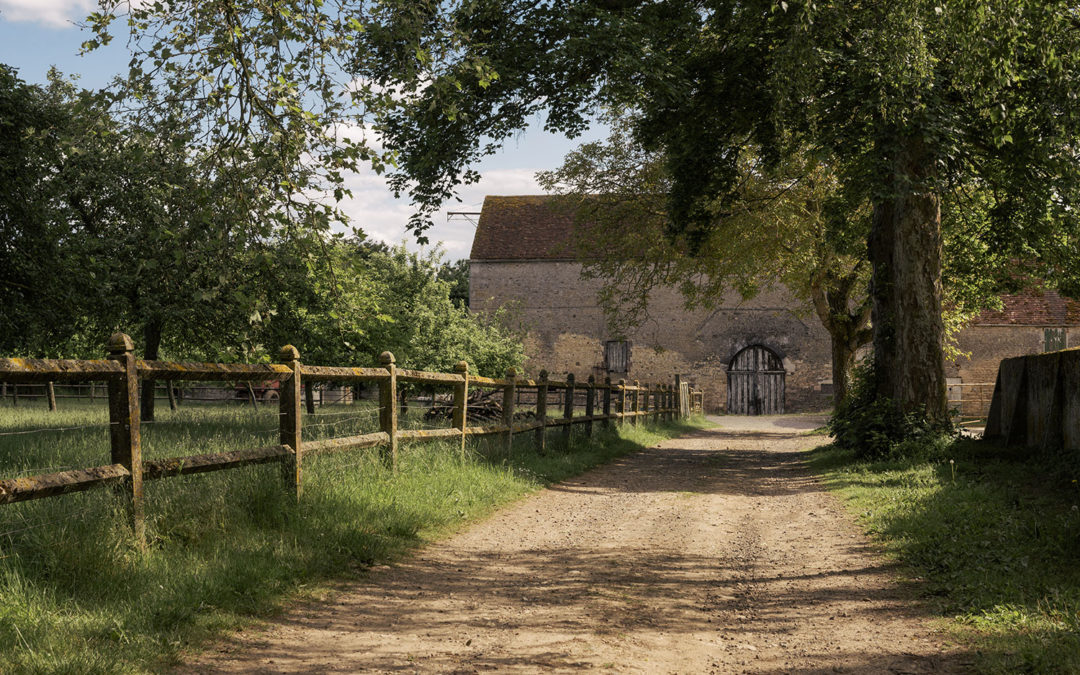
(912, 99)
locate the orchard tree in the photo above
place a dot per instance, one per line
(910, 101)
(108, 225)
(38, 286)
(426, 327)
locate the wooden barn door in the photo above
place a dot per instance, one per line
(756, 383)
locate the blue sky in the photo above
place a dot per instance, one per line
(38, 34)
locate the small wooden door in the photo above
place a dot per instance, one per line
(756, 383)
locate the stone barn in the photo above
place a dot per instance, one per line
(765, 355)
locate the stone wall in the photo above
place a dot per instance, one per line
(567, 332)
(987, 346)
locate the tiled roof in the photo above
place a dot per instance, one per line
(534, 227)
(1034, 307)
(523, 228)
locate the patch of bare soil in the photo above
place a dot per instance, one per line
(716, 552)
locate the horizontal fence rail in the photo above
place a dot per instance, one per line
(578, 403)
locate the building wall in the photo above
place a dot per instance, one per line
(985, 346)
(566, 332)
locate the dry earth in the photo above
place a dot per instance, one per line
(717, 552)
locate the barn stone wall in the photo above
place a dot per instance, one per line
(566, 331)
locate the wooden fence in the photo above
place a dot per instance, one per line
(1036, 402)
(604, 403)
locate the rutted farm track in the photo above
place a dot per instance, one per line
(715, 552)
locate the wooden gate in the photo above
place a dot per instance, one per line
(756, 383)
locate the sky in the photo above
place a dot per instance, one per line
(38, 34)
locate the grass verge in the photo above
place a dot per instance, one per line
(228, 547)
(994, 534)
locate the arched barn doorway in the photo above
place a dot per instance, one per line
(755, 382)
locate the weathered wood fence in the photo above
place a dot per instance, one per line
(604, 403)
(1036, 402)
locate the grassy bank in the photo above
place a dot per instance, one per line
(995, 536)
(226, 547)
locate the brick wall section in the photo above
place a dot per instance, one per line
(987, 346)
(567, 331)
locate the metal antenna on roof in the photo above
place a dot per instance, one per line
(470, 216)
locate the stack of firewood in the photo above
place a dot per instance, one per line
(484, 407)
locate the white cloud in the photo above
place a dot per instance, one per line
(54, 13)
(374, 210)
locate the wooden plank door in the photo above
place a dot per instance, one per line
(756, 382)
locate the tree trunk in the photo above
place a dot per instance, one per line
(905, 251)
(152, 338)
(309, 398)
(847, 325)
(843, 358)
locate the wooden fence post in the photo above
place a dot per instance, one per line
(289, 421)
(124, 431)
(461, 401)
(388, 409)
(541, 412)
(590, 406)
(50, 392)
(646, 410)
(678, 396)
(622, 402)
(508, 409)
(568, 410)
(607, 402)
(636, 402)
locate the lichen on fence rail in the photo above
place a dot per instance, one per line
(52, 484)
(57, 370)
(164, 370)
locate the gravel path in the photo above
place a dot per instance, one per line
(716, 552)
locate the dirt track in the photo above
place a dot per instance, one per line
(716, 552)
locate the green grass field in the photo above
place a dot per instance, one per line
(230, 546)
(994, 537)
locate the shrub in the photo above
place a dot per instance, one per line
(874, 428)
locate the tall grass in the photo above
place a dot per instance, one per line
(994, 534)
(226, 547)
